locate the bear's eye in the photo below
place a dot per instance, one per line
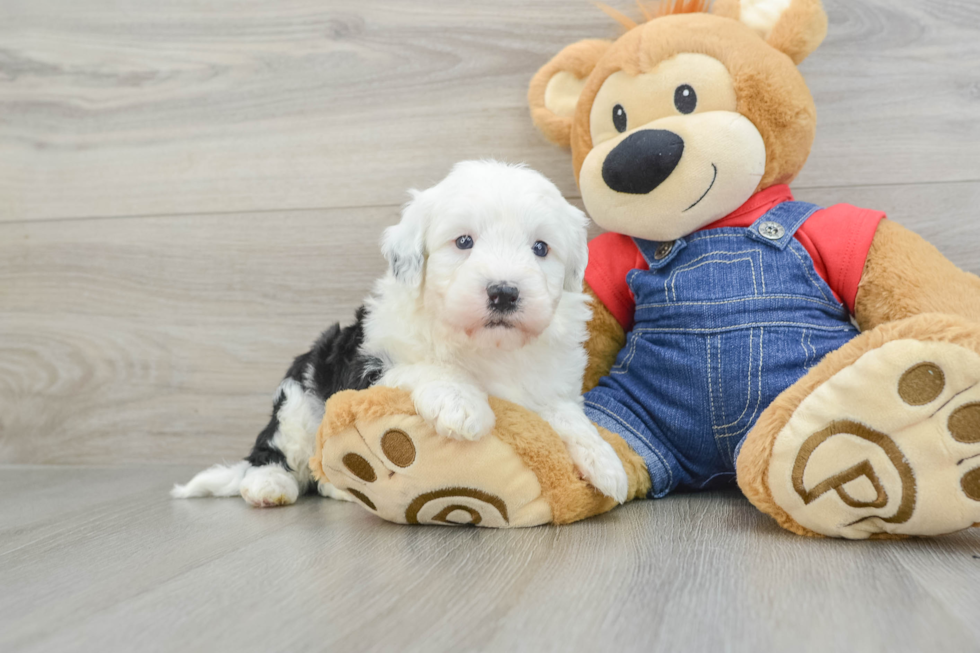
(685, 99)
(464, 242)
(540, 248)
(619, 118)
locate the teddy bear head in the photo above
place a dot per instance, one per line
(679, 121)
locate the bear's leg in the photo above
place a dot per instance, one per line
(373, 446)
(881, 439)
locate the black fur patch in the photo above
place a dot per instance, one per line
(334, 363)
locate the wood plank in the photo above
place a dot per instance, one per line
(132, 107)
(129, 340)
(135, 340)
(132, 570)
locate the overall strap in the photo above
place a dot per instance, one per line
(659, 253)
(779, 224)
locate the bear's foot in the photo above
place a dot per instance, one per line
(373, 446)
(882, 439)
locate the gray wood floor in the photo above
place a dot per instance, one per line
(190, 190)
(99, 559)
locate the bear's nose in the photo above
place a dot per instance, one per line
(503, 298)
(642, 161)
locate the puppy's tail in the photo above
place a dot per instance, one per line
(217, 481)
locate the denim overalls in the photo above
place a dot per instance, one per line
(725, 320)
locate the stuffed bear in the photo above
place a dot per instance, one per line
(825, 359)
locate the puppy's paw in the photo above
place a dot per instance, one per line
(601, 467)
(270, 485)
(457, 411)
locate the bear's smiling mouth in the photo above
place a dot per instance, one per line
(710, 186)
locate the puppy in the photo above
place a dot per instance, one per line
(483, 296)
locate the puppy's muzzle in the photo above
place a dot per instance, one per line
(502, 298)
(642, 161)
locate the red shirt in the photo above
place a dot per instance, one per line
(837, 238)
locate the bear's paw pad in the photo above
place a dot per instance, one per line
(889, 445)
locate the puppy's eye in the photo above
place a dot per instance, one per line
(685, 99)
(540, 248)
(464, 242)
(619, 118)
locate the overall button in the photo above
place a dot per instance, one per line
(771, 230)
(663, 251)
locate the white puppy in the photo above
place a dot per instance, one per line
(484, 296)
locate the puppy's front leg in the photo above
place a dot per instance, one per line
(446, 398)
(595, 458)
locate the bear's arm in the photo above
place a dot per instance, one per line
(606, 338)
(904, 276)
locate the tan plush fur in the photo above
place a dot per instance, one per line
(726, 9)
(570, 497)
(753, 460)
(538, 446)
(577, 59)
(771, 92)
(606, 338)
(348, 406)
(800, 30)
(905, 276)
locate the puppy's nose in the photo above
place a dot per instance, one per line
(503, 298)
(642, 161)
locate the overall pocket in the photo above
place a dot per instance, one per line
(735, 384)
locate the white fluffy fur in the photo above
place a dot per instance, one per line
(271, 485)
(215, 481)
(430, 324)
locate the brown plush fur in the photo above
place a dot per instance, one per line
(577, 59)
(770, 90)
(905, 276)
(571, 499)
(800, 30)
(753, 460)
(606, 338)
(727, 9)
(662, 8)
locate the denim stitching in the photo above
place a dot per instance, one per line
(624, 367)
(706, 236)
(748, 385)
(806, 351)
(711, 383)
(617, 418)
(806, 271)
(758, 397)
(818, 327)
(813, 300)
(690, 266)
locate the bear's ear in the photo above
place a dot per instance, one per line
(794, 27)
(555, 88)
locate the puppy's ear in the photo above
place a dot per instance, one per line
(794, 27)
(578, 253)
(403, 244)
(554, 90)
